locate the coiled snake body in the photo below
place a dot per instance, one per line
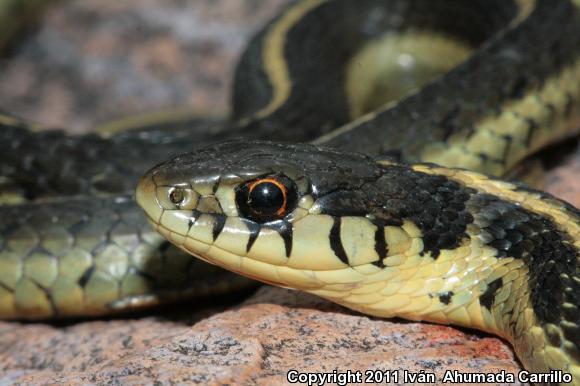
(478, 85)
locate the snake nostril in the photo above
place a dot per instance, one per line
(177, 196)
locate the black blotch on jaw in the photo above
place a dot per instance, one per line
(285, 230)
(254, 229)
(218, 225)
(336, 242)
(380, 246)
(487, 298)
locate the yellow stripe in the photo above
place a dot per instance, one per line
(525, 8)
(12, 121)
(170, 116)
(273, 55)
(9, 121)
(463, 152)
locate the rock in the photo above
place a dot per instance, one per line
(273, 332)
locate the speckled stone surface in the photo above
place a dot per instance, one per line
(92, 61)
(257, 343)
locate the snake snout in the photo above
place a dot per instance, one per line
(145, 194)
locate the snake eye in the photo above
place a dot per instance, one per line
(266, 199)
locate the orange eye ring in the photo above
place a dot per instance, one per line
(279, 185)
(266, 199)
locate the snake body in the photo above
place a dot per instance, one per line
(478, 85)
(386, 238)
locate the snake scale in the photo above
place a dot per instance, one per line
(369, 225)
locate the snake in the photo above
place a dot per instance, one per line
(397, 209)
(412, 109)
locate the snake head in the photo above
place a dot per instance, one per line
(268, 211)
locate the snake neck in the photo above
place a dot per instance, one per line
(496, 301)
(487, 281)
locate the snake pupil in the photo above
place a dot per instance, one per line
(266, 198)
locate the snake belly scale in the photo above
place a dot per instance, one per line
(377, 235)
(386, 238)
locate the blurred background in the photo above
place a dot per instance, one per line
(78, 64)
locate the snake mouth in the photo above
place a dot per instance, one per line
(215, 255)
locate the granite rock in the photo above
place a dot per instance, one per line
(259, 342)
